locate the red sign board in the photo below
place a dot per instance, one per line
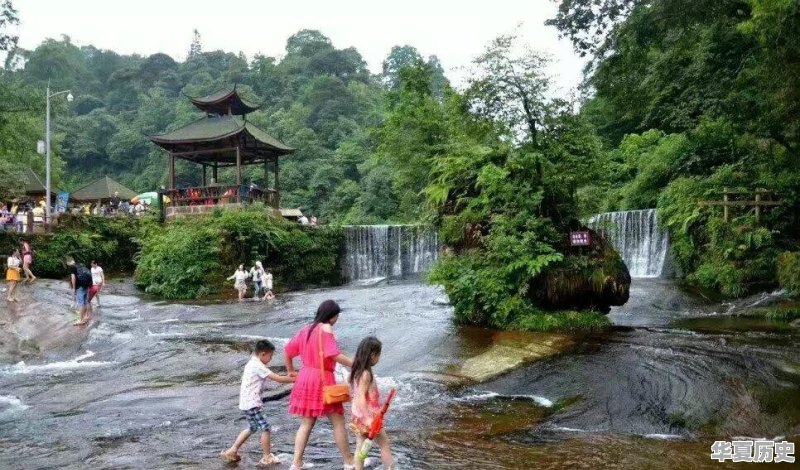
(580, 238)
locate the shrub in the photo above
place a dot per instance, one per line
(191, 257)
(111, 241)
(789, 272)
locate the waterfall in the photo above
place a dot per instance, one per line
(637, 237)
(373, 251)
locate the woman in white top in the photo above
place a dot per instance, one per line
(240, 276)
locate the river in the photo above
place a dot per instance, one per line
(155, 385)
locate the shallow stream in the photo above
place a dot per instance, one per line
(155, 385)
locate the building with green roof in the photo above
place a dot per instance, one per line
(223, 138)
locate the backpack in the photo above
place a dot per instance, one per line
(84, 277)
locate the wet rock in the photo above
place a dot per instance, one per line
(510, 350)
(39, 324)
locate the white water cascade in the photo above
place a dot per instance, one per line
(375, 251)
(637, 237)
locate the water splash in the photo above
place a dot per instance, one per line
(637, 237)
(376, 251)
(55, 367)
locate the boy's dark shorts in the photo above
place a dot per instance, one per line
(257, 420)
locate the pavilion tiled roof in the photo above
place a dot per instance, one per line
(35, 185)
(225, 101)
(100, 189)
(209, 129)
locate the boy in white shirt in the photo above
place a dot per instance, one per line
(255, 375)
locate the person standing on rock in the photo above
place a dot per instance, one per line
(256, 273)
(98, 281)
(12, 275)
(27, 260)
(81, 281)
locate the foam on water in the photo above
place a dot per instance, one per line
(663, 437)
(166, 335)
(541, 401)
(10, 404)
(259, 337)
(55, 367)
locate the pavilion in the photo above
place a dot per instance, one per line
(102, 190)
(223, 138)
(35, 188)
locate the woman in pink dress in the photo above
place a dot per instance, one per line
(306, 398)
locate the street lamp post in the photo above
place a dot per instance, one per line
(47, 148)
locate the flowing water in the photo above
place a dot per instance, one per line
(638, 237)
(380, 251)
(155, 385)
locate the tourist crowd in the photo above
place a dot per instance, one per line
(261, 279)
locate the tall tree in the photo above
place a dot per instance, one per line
(511, 88)
(8, 18)
(196, 47)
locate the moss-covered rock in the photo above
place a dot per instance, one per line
(589, 278)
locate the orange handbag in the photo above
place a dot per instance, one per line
(331, 394)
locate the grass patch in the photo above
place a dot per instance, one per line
(562, 321)
(781, 313)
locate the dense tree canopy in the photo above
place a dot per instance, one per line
(317, 98)
(692, 97)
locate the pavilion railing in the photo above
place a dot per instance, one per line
(220, 195)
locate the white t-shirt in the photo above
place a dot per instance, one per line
(254, 379)
(266, 279)
(97, 276)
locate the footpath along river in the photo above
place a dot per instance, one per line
(155, 385)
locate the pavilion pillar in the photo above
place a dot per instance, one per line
(214, 173)
(171, 171)
(266, 174)
(238, 174)
(205, 174)
(277, 186)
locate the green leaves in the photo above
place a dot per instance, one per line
(189, 258)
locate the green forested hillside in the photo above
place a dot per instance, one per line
(317, 98)
(691, 97)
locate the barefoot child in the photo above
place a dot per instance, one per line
(366, 401)
(266, 282)
(255, 374)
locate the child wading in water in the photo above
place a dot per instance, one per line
(366, 400)
(255, 375)
(266, 282)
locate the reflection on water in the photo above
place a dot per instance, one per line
(155, 385)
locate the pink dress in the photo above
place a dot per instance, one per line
(363, 414)
(306, 397)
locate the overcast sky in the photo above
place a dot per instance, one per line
(455, 31)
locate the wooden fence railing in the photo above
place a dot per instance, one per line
(756, 201)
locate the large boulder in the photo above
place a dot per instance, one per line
(593, 277)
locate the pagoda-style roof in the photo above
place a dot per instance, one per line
(225, 101)
(34, 185)
(214, 138)
(101, 189)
